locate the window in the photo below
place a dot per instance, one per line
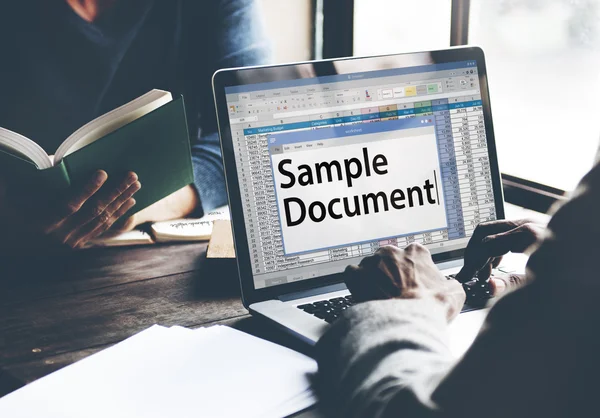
(288, 25)
(543, 58)
(543, 63)
(386, 27)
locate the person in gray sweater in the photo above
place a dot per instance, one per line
(536, 355)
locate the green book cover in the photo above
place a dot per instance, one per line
(26, 173)
(155, 146)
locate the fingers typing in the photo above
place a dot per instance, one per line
(491, 240)
(515, 240)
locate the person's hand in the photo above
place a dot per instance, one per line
(492, 240)
(404, 274)
(178, 204)
(78, 216)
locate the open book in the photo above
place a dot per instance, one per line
(147, 135)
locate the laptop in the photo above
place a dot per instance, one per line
(327, 161)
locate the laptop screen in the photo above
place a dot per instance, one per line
(331, 168)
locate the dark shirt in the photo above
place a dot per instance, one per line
(58, 71)
(536, 356)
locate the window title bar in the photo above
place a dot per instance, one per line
(348, 77)
(349, 130)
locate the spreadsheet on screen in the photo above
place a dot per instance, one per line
(446, 97)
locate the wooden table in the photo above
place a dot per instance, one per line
(57, 310)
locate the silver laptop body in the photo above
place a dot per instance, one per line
(327, 161)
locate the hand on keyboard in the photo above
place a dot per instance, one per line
(492, 240)
(479, 291)
(404, 274)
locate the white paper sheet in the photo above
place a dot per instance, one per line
(161, 372)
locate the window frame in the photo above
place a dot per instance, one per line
(333, 37)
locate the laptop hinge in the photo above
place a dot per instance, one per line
(313, 292)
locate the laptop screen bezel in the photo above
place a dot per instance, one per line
(252, 75)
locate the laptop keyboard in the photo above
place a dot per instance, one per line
(328, 310)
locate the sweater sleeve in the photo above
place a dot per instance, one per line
(380, 351)
(233, 37)
(391, 359)
(534, 357)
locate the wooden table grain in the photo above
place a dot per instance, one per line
(57, 310)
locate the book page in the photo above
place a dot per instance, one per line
(189, 229)
(24, 148)
(135, 237)
(111, 121)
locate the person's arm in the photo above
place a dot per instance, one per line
(384, 349)
(380, 351)
(390, 359)
(233, 38)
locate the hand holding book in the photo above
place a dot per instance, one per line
(58, 197)
(71, 218)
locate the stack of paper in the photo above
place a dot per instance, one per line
(174, 372)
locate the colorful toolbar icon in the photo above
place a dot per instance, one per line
(410, 91)
(399, 92)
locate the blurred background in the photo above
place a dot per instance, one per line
(543, 60)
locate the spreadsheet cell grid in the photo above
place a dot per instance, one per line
(465, 173)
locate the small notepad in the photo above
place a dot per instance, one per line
(189, 229)
(178, 230)
(135, 237)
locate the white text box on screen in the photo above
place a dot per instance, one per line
(411, 163)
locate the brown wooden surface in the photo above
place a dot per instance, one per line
(57, 310)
